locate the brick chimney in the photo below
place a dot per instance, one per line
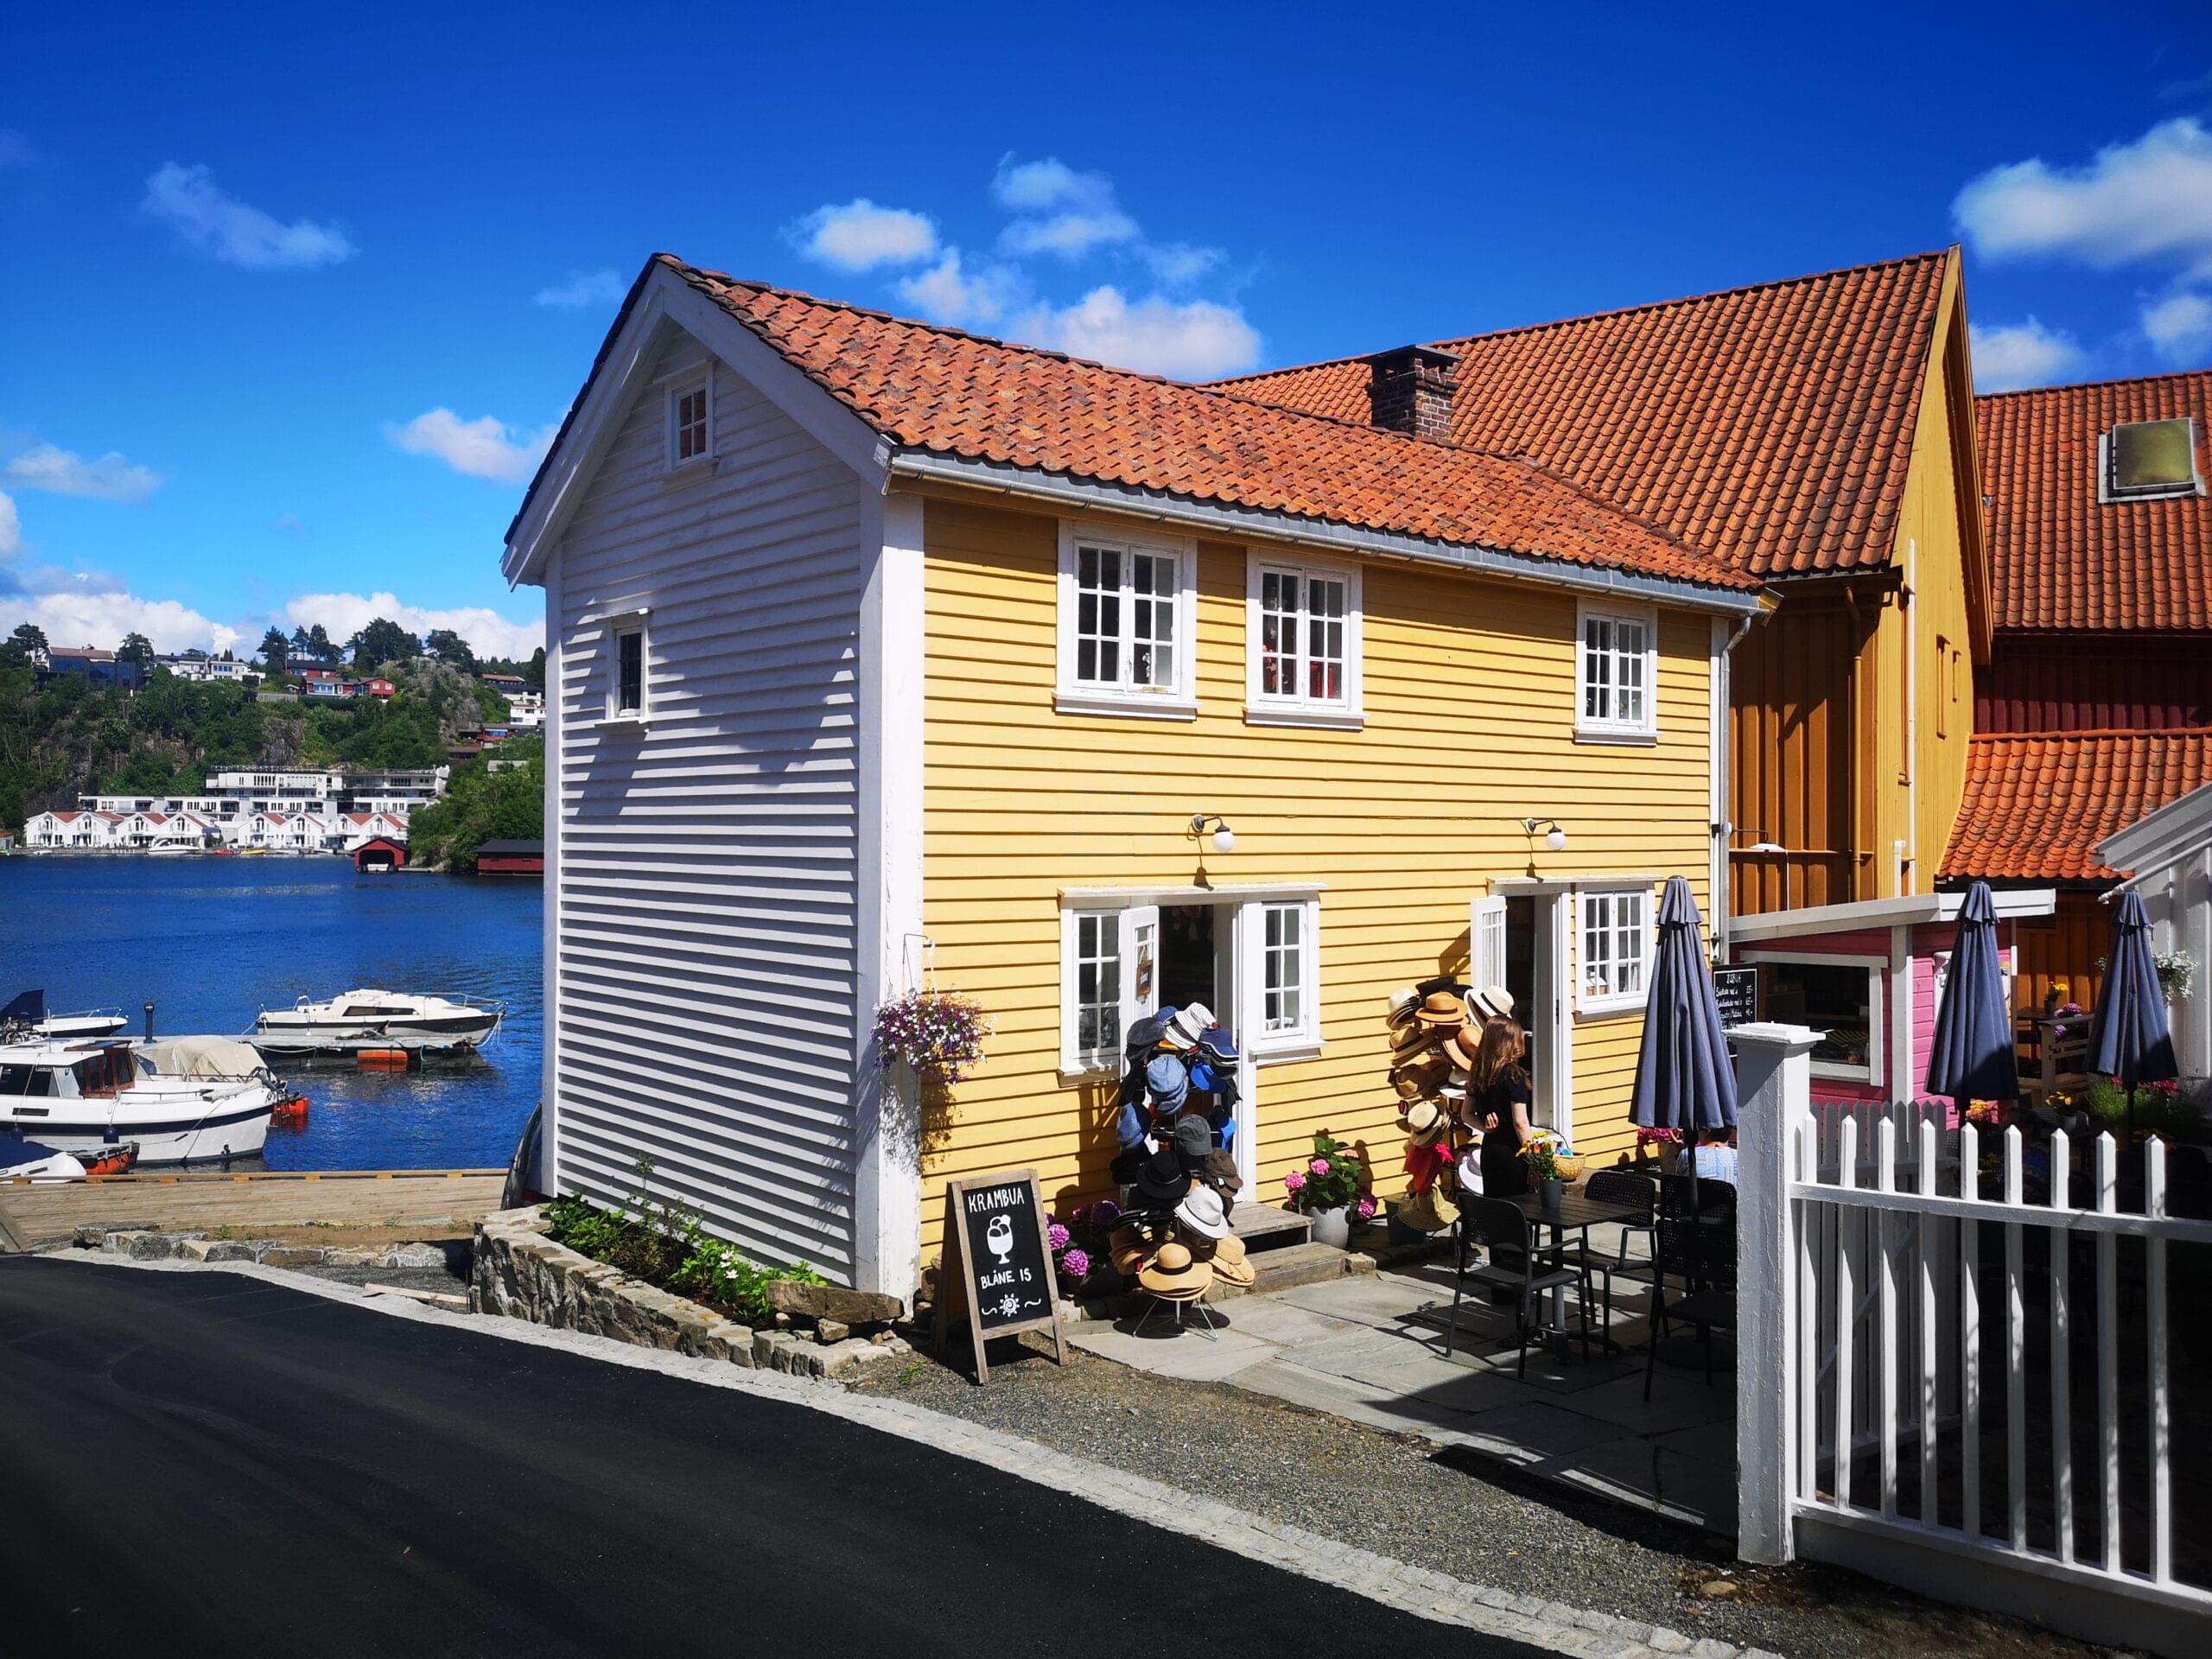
(1409, 391)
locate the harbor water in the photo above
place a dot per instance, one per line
(212, 941)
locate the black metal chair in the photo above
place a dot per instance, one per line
(1518, 1265)
(1702, 1255)
(1632, 1190)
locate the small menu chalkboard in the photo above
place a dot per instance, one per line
(1737, 989)
(997, 1264)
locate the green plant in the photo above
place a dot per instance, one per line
(1330, 1179)
(1542, 1153)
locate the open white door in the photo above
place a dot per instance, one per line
(1140, 965)
(1486, 942)
(1241, 958)
(1551, 1035)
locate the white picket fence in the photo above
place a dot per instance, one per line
(1945, 1381)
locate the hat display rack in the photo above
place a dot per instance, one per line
(1173, 1239)
(1435, 1029)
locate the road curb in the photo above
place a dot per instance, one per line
(1583, 1633)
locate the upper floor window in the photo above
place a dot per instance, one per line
(1126, 615)
(2149, 458)
(690, 422)
(1616, 660)
(1302, 642)
(1616, 948)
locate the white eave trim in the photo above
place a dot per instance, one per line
(666, 300)
(1231, 893)
(1912, 911)
(1235, 523)
(2170, 832)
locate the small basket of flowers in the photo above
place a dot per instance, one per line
(938, 1033)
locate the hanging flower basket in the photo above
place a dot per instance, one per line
(938, 1033)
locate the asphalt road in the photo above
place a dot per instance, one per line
(202, 1463)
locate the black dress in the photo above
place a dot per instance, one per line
(1505, 1172)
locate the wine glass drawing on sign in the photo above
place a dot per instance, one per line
(998, 1236)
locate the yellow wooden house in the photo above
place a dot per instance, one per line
(880, 654)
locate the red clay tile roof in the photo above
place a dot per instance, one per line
(959, 394)
(1771, 425)
(2037, 804)
(2059, 558)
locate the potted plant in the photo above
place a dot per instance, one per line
(1542, 1153)
(1326, 1188)
(938, 1034)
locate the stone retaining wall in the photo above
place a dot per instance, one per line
(521, 1274)
(145, 1244)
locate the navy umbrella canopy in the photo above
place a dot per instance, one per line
(2129, 1038)
(1971, 1057)
(1684, 1078)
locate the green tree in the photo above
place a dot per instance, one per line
(449, 647)
(276, 650)
(137, 648)
(382, 641)
(535, 674)
(27, 639)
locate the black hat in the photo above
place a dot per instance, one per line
(1194, 1140)
(1145, 1035)
(1124, 1168)
(1161, 1181)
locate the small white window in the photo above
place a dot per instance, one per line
(1283, 938)
(1840, 997)
(1109, 980)
(1126, 618)
(1616, 948)
(629, 681)
(690, 422)
(1616, 660)
(1302, 643)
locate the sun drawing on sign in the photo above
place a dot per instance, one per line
(1009, 1307)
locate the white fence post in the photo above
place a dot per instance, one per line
(1774, 1098)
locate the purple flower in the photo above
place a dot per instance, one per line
(1366, 1208)
(1081, 1214)
(1105, 1213)
(1319, 1166)
(1076, 1265)
(1294, 1180)
(1057, 1237)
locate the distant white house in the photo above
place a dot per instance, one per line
(355, 828)
(526, 711)
(2169, 852)
(79, 831)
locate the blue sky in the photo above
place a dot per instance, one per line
(287, 300)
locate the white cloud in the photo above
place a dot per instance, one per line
(2015, 354)
(1179, 265)
(487, 632)
(485, 448)
(59, 472)
(2150, 199)
(2179, 325)
(584, 288)
(90, 613)
(11, 526)
(861, 236)
(226, 228)
(1192, 340)
(950, 293)
(1063, 211)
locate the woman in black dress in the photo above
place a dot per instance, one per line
(1499, 1099)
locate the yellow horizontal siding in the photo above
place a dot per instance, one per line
(1469, 698)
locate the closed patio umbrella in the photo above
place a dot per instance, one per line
(2129, 1038)
(1971, 1057)
(1684, 1078)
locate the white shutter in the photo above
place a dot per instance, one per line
(1486, 942)
(1139, 965)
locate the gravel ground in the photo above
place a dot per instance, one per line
(1472, 1518)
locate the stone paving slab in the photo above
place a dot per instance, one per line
(1188, 1355)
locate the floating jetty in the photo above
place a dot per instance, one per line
(35, 1217)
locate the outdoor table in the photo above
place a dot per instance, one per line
(1574, 1213)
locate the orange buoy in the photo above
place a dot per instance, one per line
(290, 1113)
(382, 1059)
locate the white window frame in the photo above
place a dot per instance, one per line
(702, 381)
(1879, 1035)
(1263, 708)
(618, 626)
(1611, 728)
(1623, 1002)
(1302, 1037)
(2109, 495)
(1134, 929)
(1178, 699)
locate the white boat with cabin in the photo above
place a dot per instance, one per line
(91, 1096)
(28, 1015)
(364, 1017)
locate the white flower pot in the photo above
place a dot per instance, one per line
(1332, 1226)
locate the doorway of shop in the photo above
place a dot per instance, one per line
(1525, 947)
(1200, 962)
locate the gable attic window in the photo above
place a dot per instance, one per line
(2149, 458)
(690, 422)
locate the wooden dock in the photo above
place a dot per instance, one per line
(204, 1201)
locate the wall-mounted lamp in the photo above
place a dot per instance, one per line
(1225, 838)
(1554, 837)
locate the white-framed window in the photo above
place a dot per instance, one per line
(1109, 979)
(1301, 642)
(1840, 996)
(691, 420)
(1616, 954)
(1286, 962)
(1616, 674)
(1128, 622)
(629, 666)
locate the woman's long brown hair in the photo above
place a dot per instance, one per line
(1498, 1059)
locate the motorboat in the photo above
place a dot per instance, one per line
(93, 1097)
(377, 1018)
(27, 1015)
(27, 1160)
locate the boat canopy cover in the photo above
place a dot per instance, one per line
(29, 1008)
(14, 1152)
(202, 1057)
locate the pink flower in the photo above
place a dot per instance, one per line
(1319, 1166)
(1057, 1237)
(1366, 1208)
(1076, 1265)
(1294, 1180)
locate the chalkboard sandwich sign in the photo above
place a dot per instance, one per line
(997, 1265)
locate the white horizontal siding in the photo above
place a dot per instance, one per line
(703, 891)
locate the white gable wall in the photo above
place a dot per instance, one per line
(702, 923)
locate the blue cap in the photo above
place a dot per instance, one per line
(1218, 1044)
(1203, 1078)
(1168, 1081)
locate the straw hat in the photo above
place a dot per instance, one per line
(1410, 1039)
(1402, 1002)
(1424, 1122)
(1190, 1023)
(1491, 1002)
(1175, 1272)
(1421, 1075)
(1230, 1248)
(1441, 1008)
(1238, 1272)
